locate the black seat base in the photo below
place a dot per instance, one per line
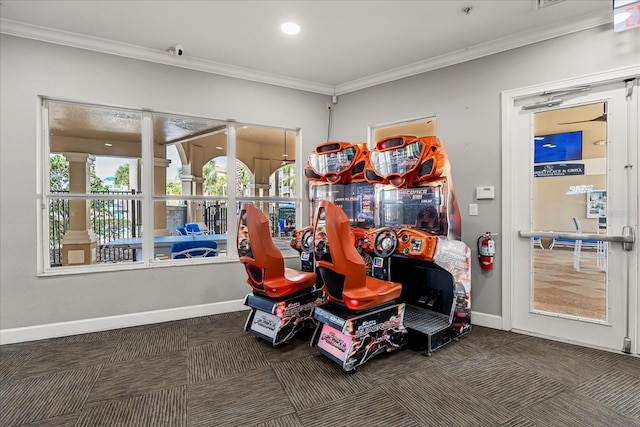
(280, 320)
(351, 339)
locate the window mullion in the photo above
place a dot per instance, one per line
(232, 223)
(147, 193)
(44, 190)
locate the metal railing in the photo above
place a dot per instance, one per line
(111, 219)
(114, 218)
(58, 226)
(214, 215)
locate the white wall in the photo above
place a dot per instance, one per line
(465, 98)
(29, 69)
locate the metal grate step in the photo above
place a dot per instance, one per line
(425, 321)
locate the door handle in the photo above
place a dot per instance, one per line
(627, 238)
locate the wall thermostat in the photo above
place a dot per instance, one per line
(485, 192)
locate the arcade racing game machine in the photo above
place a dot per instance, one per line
(419, 213)
(282, 299)
(417, 290)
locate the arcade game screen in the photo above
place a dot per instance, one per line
(421, 208)
(318, 192)
(357, 200)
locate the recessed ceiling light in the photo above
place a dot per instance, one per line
(218, 148)
(108, 144)
(290, 28)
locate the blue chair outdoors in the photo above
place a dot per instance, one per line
(193, 228)
(193, 249)
(181, 230)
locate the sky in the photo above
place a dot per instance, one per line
(107, 166)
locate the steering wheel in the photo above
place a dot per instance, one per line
(385, 242)
(306, 241)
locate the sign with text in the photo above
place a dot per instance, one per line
(265, 323)
(334, 342)
(560, 169)
(626, 15)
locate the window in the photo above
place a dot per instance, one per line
(273, 185)
(418, 127)
(99, 195)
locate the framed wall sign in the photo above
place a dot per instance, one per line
(597, 204)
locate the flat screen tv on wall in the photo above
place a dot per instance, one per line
(558, 147)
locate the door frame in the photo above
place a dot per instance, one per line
(509, 234)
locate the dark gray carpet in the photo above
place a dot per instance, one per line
(208, 372)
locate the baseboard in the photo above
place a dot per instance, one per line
(62, 329)
(486, 320)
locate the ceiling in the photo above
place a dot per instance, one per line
(113, 132)
(342, 46)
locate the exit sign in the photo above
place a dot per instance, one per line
(626, 15)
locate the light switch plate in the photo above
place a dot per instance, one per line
(473, 209)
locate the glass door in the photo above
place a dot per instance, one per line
(569, 276)
(575, 195)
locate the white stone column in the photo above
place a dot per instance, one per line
(198, 205)
(192, 185)
(160, 166)
(79, 243)
(134, 175)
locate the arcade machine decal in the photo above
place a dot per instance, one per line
(296, 314)
(334, 342)
(280, 321)
(265, 324)
(351, 340)
(455, 257)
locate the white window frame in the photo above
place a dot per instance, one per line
(148, 198)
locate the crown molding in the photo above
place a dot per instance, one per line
(477, 51)
(96, 44)
(152, 55)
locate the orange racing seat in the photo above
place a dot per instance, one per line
(262, 259)
(343, 271)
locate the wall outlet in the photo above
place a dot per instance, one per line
(328, 106)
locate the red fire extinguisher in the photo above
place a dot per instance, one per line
(486, 251)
